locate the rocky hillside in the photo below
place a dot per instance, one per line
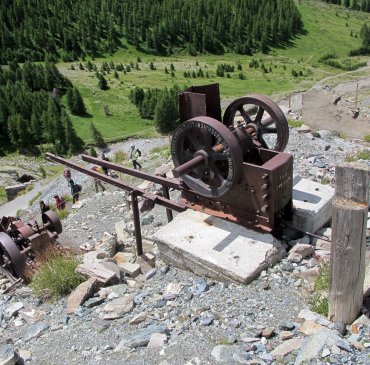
(145, 312)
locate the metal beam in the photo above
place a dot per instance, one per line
(174, 183)
(109, 180)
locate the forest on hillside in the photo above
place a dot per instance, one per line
(31, 113)
(71, 29)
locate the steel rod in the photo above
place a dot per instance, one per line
(109, 180)
(307, 233)
(136, 213)
(175, 184)
(166, 195)
(188, 166)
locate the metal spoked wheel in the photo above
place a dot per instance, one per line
(50, 217)
(264, 115)
(207, 156)
(12, 262)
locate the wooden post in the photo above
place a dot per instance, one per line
(347, 259)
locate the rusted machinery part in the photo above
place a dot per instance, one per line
(263, 114)
(12, 261)
(50, 217)
(207, 156)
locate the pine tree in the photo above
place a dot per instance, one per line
(103, 85)
(96, 136)
(166, 112)
(72, 142)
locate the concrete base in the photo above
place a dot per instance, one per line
(312, 203)
(212, 247)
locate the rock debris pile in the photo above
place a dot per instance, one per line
(137, 310)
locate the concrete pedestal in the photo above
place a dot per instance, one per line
(312, 203)
(212, 247)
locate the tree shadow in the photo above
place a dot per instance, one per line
(290, 43)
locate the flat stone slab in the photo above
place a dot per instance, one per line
(312, 204)
(212, 247)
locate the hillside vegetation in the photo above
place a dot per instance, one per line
(320, 49)
(67, 29)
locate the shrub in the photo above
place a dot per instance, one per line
(294, 123)
(361, 155)
(367, 138)
(120, 156)
(42, 172)
(319, 302)
(56, 273)
(92, 152)
(34, 198)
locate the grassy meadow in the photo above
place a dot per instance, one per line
(327, 29)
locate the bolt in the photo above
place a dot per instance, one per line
(265, 186)
(265, 176)
(252, 190)
(264, 208)
(265, 197)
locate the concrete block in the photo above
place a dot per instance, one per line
(212, 247)
(129, 269)
(312, 203)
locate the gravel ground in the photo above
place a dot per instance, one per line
(202, 315)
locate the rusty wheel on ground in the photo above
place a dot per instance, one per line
(50, 217)
(12, 262)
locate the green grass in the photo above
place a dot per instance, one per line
(34, 198)
(319, 301)
(361, 155)
(367, 138)
(164, 151)
(3, 198)
(294, 123)
(56, 275)
(325, 31)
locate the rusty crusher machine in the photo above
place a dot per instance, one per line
(22, 243)
(231, 167)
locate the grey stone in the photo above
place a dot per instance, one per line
(225, 354)
(206, 321)
(142, 338)
(286, 347)
(300, 251)
(99, 325)
(7, 355)
(147, 220)
(200, 287)
(117, 308)
(35, 331)
(119, 289)
(107, 247)
(314, 345)
(93, 302)
(12, 310)
(150, 273)
(344, 345)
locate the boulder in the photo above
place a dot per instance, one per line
(81, 293)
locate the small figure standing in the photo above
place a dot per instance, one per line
(75, 189)
(59, 202)
(67, 174)
(105, 158)
(135, 153)
(97, 181)
(44, 208)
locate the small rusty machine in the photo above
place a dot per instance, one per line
(232, 167)
(20, 244)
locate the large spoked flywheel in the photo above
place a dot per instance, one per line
(12, 262)
(264, 115)
(207, 156)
